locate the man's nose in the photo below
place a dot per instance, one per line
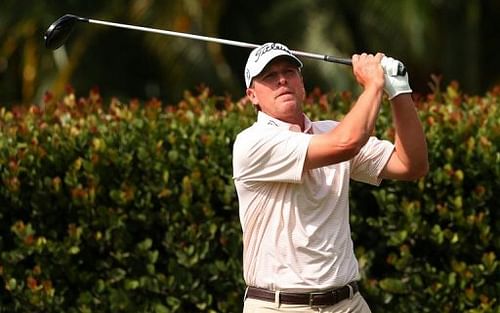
(282, 79)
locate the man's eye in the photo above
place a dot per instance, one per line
(269, 76)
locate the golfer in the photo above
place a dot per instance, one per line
(292, 178)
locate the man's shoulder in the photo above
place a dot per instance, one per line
(257, 129)
(248, 131)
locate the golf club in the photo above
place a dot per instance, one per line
(59, 31)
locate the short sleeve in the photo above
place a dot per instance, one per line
(367, 165)
(270, 154)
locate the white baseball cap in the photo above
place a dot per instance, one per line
(262, 55)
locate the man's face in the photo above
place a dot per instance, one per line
(279, 90)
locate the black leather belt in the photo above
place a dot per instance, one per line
(329, 297)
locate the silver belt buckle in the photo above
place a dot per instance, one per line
(311, 297)
(351, 291)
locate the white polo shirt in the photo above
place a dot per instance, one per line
(296, 233)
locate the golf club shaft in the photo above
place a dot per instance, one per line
(216, 40)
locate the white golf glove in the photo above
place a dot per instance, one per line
(394, 84)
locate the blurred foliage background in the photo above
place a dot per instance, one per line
(454, 39)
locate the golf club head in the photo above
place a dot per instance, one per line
(59, 31)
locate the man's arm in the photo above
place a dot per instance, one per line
(352, 133)
(409, 160)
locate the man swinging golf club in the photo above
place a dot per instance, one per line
(292, 175)
(292, 179)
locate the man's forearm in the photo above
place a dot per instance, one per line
(410, 143)
(361, 119)
(345, 140)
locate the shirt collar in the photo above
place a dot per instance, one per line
(265, 119)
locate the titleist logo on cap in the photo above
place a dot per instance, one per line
(269, 47)
(263, 55)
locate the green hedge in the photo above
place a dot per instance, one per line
(130, 207)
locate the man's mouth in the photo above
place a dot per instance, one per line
(284, 93)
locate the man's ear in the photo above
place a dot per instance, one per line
(252, 96)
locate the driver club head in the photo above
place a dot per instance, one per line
(59, 31)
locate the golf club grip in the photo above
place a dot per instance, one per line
(329, 58)
(333, 59)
